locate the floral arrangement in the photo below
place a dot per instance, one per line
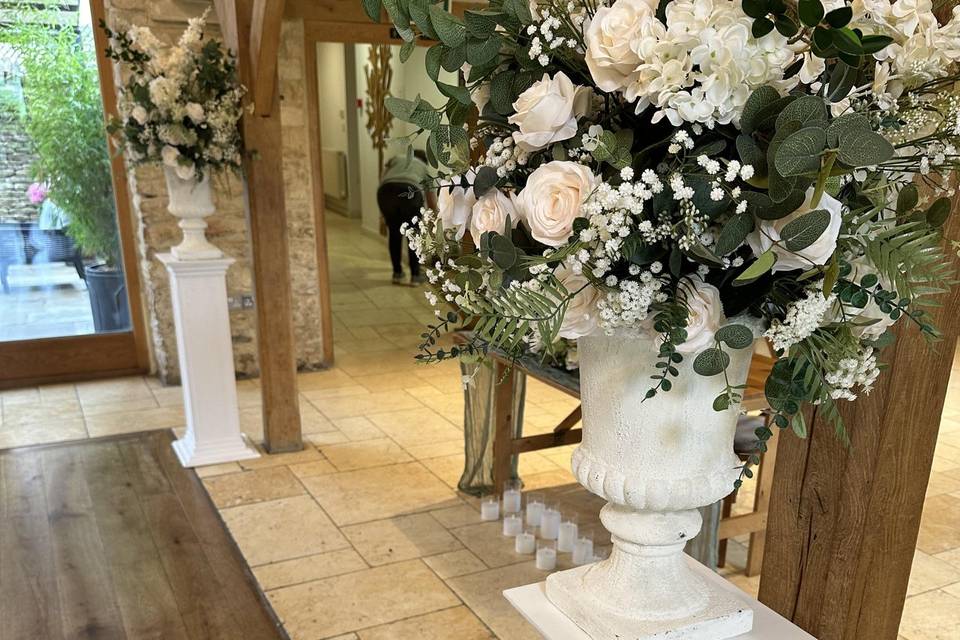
(700, 171)
(179, 105)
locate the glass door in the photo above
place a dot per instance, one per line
(66, 275)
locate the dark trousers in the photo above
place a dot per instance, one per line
(398, 208)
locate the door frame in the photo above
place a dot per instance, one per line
(68, 358)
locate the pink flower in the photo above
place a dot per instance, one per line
(37, 193)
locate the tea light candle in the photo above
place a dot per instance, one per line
(567, 536)
(583, 551)
(525, 542)
(490, 509)
(511, 496)
(534, 509)
(546, 555)
(550, 523)
(512, 524)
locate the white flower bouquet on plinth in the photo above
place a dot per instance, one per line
(180, 106)
(670, 182)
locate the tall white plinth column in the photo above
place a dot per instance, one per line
(199, 292)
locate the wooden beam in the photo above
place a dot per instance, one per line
(546, 441)
(843, 520)
(319, 206)
(264, 50)
(266, 215)
(330, 11)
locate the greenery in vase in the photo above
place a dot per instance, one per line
(63, 117)
(180, 105)
(700, 171)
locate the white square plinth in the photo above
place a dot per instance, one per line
(531, 601)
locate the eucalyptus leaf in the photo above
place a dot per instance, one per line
(751, 153)
(762, 97)
(485, 180)
(372, 9)
(800, 153)
(735, 336)
(449, 29)
(842, 80)
(938, 212)
(502, 252)
(733, 234)
(908, 198)
(804, 231)
(501, 93)
(432, 61)
(758, 268)
(811, 12)
(847, 124)
(481, 24)
(483, 51)
(711, 362)
(864, 149)
(807, 110)
(458, 93)
(420, 14)
(406, 49)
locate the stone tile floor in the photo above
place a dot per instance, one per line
(362, 535)
(45, 301)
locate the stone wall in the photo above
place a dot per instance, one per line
(16, 159)
(157, 230)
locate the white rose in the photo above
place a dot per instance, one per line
(490, 214)
(768, 232)
(139, 114)
(169, 155)
(454, 205)
(704, 317)
(195, 112)
(581, 317)
(547, 112)
(612, 41)
(552, 199)
(186, 171)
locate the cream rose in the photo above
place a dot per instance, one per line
(547, 112)
(490, 214)
(612, 41)
(552, 199)
(455, 204)
(704, 317)
(581, 317)
(768, 232)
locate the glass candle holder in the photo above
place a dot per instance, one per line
(512, 524)
(583, 551)
(511, 496)
(534, 509)
(489, 508)
(525, 542)
(568, 534)
(546, 555)
(550, 522)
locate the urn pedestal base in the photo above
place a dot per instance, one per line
(724, 616)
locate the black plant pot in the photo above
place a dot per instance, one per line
(108, 298)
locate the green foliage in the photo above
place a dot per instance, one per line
(65, 122)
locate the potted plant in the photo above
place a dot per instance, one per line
(63, 117)
(669, 182)
(180, 107)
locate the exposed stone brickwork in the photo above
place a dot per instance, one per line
(16, 159)
(157, 230)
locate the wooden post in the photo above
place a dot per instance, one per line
(266, 215)
(844, 521)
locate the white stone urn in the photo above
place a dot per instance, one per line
(191, 201)
(655, 461)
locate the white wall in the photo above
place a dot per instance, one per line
(333, 96)
(409, 80)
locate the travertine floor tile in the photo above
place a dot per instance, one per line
(41, 433)
(940, 524)
(308, 454)
(114, 390)
(359, 600)
(929, 572)
(934, 615)
(358, 428)
(269, 483)
(307, 469)
(459, 623)
(486, 541)
(436, 449)
(372, 494)
(282, 529)
(20, 415)
(458, 516)
(364, 454)
(218, 469)
(455, 563)
(413, 427)
(483, 593)
(300, 570)
(401, 538)
(319, 380)
(110, 424)
(350, 406)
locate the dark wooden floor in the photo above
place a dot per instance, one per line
(112, 538)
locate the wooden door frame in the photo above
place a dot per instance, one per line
(61, 359)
